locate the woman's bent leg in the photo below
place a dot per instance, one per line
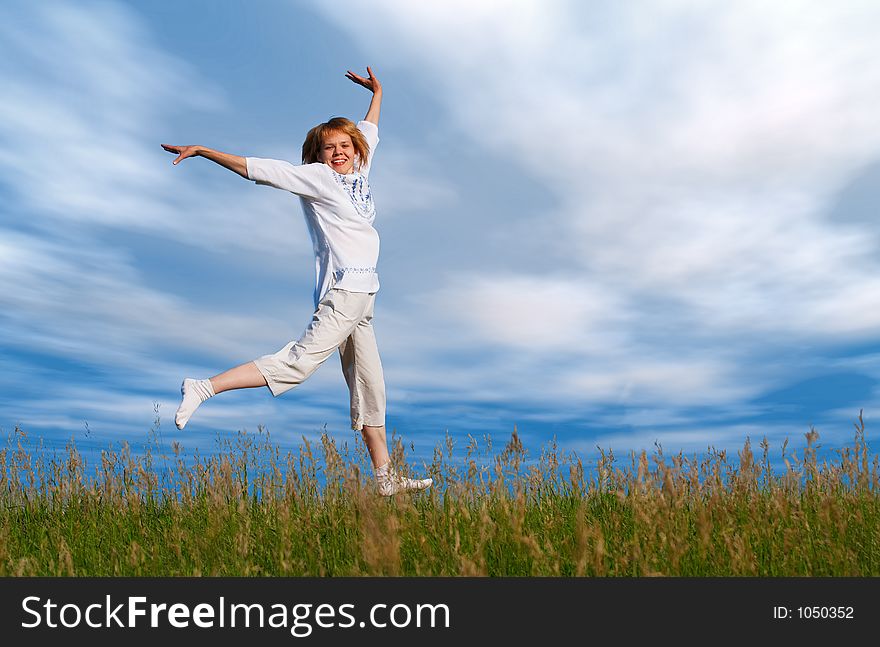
(337, 314)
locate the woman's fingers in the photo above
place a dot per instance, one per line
(374, 82)
(369, 83)
(182, 151)
(173, 149)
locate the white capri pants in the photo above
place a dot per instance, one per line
(343, 320)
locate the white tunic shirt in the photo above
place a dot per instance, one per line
(339, 212)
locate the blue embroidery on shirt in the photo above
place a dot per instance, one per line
(338, 274)
(357, 188)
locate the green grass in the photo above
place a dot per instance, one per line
(250, 510)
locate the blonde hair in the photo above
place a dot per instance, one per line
(311, 150)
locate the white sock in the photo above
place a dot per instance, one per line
(383, 471)
(194, 392)
(390, 482)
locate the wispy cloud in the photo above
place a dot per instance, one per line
(88, 95)
(90, 303)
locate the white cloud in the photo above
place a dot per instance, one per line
(403, 187)
(91, 304)
(672, 381)
(81, 86)
(693, 152)
(87, 94)
(533, 314)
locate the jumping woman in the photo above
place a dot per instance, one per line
(334, 190)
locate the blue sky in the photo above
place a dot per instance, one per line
(615, 224)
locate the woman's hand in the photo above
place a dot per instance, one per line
(372, 83)
(182, 152)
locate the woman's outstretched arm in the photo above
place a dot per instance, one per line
(372, 84)
(232, 162)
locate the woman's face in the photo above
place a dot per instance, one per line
(337, 152)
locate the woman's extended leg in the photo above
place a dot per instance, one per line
(336, 315)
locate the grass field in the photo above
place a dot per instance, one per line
(247, 509)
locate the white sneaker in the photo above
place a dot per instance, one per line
(393, 484)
